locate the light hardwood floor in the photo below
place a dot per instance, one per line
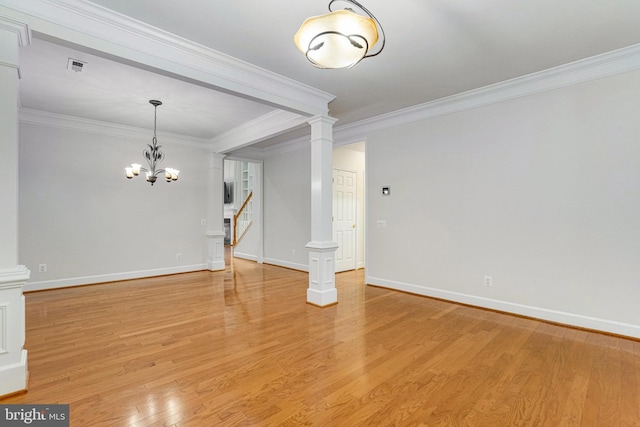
(241, 347)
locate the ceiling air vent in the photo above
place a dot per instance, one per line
(75, 65)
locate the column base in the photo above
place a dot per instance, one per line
(13, 378)
(322, 278)
(322, 298)
(215, 259)
(13, 357)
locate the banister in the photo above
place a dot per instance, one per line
(237, 215)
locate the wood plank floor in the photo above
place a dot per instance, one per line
(241, 347)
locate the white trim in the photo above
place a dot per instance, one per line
(96, 27)
(322, 246)
(4, 332)
(604, 65)
(19, 28)
(322, 298)
(90, 280)
(14, 277)
(599, 66)
(218, 234)
(8, 65)
(245, 256)
(570, 319)
(216, 265)
(13, 377)
(60, 121)
(287, 264)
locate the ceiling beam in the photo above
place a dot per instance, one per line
(88, 26)
(260, 129)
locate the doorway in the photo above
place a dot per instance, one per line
(348, 206)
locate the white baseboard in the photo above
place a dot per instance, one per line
(570, 319)
(89, 280)
(249, 257)
(287, 264)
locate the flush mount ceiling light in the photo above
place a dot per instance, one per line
(342, 38)
(153, 156)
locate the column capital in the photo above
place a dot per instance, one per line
(322, 246)
(215, 234)
(14, 277)
(322, 119)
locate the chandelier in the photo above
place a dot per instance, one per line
(153, 156)
(341, 38)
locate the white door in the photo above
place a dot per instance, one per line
(344, 219)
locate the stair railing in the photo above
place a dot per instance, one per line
(243, 219)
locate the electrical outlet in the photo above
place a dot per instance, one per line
(42, 268)
(178, 257)
(293, 252)
(488, 281)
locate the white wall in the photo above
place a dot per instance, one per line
(287, 209)
(542, 193)
(88, 223)
(352, 158)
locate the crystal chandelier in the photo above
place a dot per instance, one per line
(153, 156)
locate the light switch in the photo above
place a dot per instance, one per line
(381, 223)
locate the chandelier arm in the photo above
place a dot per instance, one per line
(381, 37)
(153, 155)
(152, 163)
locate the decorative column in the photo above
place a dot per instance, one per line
(13, 356)
(215, 213)
(322, 285)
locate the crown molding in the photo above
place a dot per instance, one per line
(87, 24)
(19, 28)
(596, 67)
(59, 121)
(22, 33)
(59, 17)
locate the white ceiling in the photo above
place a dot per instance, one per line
(434, 48)
(113, 92)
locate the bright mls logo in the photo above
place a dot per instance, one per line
(34, 415)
